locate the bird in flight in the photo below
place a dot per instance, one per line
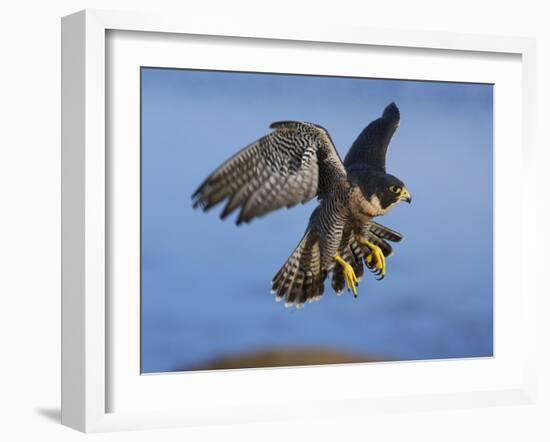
(296, 162)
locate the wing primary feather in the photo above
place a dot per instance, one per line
(291, 165)
(370, 147)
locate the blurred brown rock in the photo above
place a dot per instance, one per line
(285, 358)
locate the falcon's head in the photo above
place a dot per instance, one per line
(382, 190)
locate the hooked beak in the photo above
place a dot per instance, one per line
(405, 195)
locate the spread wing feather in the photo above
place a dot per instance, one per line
(369, 149)
(291, 165)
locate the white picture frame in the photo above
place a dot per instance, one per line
(88, 321)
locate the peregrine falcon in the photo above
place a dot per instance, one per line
(296, 162)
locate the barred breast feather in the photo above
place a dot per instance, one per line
(291, 165)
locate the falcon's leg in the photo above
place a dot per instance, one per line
(349, 274)
(375, 255)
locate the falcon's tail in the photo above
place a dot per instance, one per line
(301, 279)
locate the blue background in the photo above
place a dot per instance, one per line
(206, 283)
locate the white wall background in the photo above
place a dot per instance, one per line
(30, 219)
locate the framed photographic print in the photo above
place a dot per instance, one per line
(362, 178)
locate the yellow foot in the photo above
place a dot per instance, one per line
(349, 275)
(375, 255)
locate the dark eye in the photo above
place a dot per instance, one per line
(395, 189)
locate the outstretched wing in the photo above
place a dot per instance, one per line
(291, 165)
(370, 147)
